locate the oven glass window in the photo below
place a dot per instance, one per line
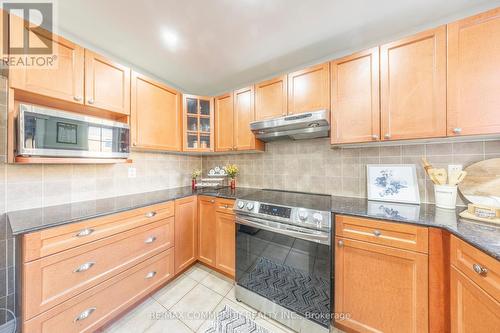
(291, 272)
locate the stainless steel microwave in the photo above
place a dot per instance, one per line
(54, 133)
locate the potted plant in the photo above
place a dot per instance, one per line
(232, 171)
(194, 175)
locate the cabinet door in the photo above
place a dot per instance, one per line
(244, 113)
(472, 309)
(186, 233)
(382, 288)
(63, 81)
(355, 98)
(107, 84)
(413, 86)
(473, 75)
(207, 233)
(224, 121)
(198, 123)
(155, 115)
(309, 89)
(271, 98)
(226, 240)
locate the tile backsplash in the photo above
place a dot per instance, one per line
(313, 166)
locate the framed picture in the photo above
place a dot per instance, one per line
(393, 183)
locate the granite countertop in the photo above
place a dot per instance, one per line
(485, 237)
(29, 220)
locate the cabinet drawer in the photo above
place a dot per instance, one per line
(46, 242)
(53, 279)
(106, 300)
(476, 265)
(224, 205)
(398, 235)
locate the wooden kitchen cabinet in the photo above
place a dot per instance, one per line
(382, 288)
(198, 123)
(413, 86)
(64, 81)
(206, 230)
(271, 98)
(186, 232)
(226, 243)
(355, 110)
(472, 309)
(107, 84)
(309, 89)
(473, 75)
(155, 115)
(244, 114)
(224, 121)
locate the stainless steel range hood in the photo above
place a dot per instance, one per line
(302, 126)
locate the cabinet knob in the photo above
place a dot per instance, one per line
(134, 144)
(150, 275)
(84, 232)
(340, 243)
(212, 201)
(457, 130)
(480, 269)
(91, 101)
(375, 137)
(84, 315)
(77, 98)
(387, 136)
(84, 267)
(377, 233)
(151, 214)
(150, 240)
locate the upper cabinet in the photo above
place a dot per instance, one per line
(473, 75)
(224, 121)
(65, 81)
(198, 123)
(107, 84)
(155, 115)
(413, 86)
(271, 98)
(309, 89)
(244, 114)
(355, 111)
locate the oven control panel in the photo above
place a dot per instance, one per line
(279, 211)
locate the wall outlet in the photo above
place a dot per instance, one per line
(132, 172)
(454, 168)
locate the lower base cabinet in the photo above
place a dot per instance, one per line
(186, 232)
(225, 242)
(93, 308)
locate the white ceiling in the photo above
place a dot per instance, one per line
(224, 44)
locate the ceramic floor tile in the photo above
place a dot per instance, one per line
(169, 325)
(197, 272)
(174, 291)
(140, 318)
(195, 307)
(218, 283)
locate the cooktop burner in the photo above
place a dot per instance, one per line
(312, 201)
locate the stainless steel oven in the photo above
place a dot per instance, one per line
(48, 132)
(284, 257)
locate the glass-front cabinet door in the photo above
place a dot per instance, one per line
(198, 115)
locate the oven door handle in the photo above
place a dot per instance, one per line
(297, 232)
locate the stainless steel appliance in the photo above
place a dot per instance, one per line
(284, 256)
(301, 126)
(48, 132)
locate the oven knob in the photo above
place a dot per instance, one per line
(317, 218)
(250, 205)
(302, 214)
(241, 204)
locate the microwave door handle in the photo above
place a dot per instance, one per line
(318, 236)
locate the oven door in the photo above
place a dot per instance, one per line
(288, 265)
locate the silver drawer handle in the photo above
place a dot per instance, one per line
(212, 201)
(91, 101)
(340, 243)
(377, 233)
(84, 315)
(85, 232)
(151, 214)
(480, 269)
(84, 267)
(150, 240)
(150, 275)
(225, 206)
